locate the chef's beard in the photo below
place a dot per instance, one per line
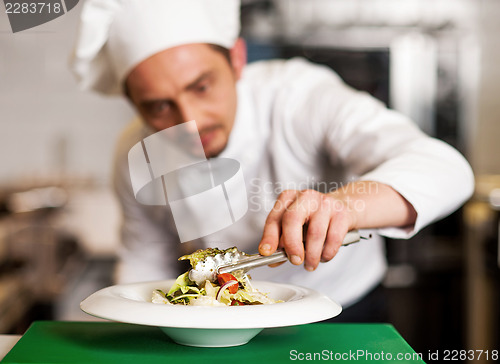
(218, 143)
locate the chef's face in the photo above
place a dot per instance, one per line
(189, 82)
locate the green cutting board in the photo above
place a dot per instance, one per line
(111, 342)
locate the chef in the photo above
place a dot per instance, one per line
(319, 158)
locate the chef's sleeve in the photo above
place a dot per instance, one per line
(374, 143)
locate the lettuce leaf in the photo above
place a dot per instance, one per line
(180, 283)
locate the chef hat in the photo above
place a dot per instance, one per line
(116, 35)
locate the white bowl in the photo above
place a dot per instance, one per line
(210, 326)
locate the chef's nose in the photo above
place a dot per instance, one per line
(188, 111)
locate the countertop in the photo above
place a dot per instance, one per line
(112, 342)
(6, 343)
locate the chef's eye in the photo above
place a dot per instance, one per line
(157, 108)
(202, 87)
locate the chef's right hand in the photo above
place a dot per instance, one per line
(327, 217)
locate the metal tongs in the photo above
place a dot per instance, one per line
(257, 260)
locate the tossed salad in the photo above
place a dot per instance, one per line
(202, 286)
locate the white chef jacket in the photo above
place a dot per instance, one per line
(299, 126)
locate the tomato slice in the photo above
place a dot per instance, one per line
(237, 303)
(226, 277)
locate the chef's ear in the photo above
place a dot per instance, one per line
(238, 55)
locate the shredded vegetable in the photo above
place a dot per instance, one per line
(202, 286)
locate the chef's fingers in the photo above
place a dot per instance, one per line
(337, 230)
(280, 245)
(293, 220)
(272, 228)
(275, 264)
(315, 237)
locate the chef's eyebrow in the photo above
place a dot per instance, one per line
(150, 103)
(190, 86)
(199, 79)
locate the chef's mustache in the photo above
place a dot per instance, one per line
(187, 138)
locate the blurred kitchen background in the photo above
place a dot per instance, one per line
(435, 60)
